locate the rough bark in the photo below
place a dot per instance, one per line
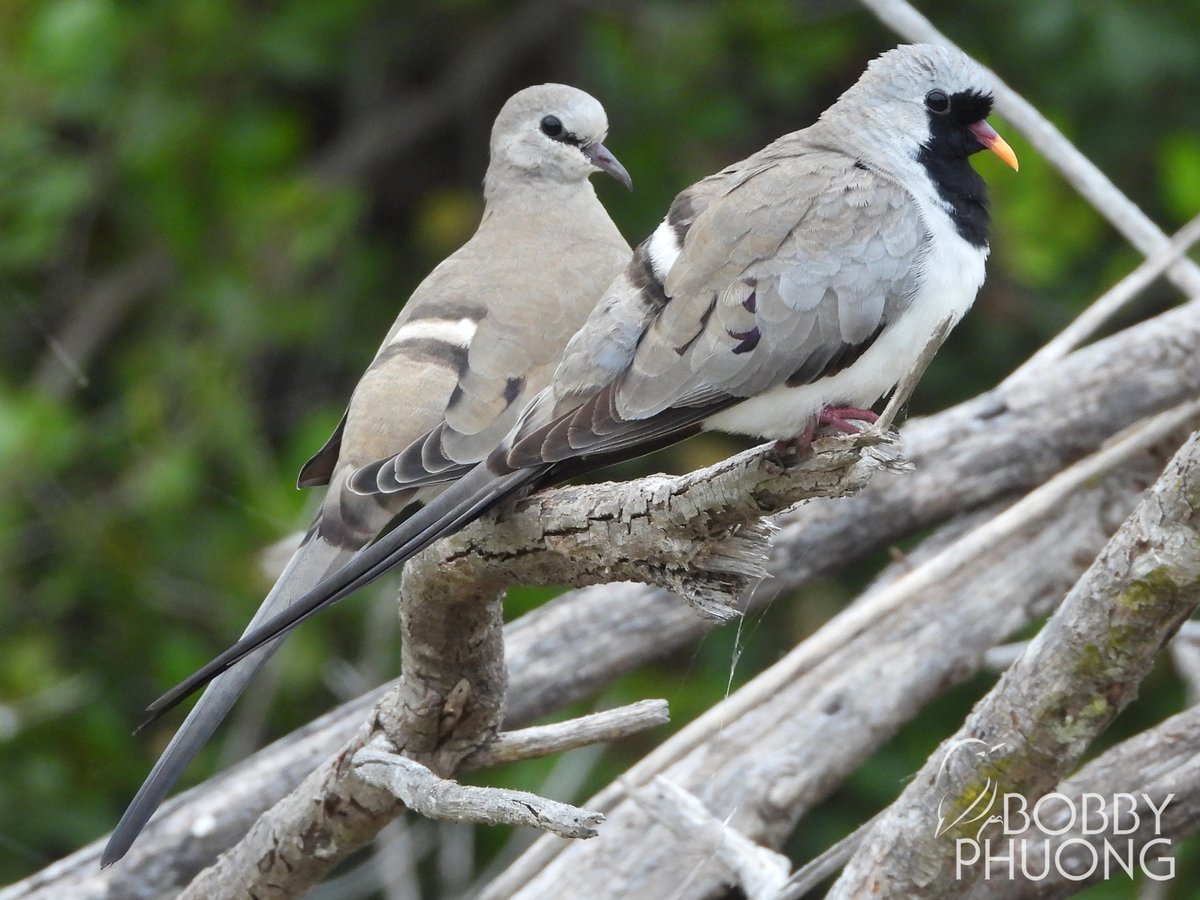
(1161, 762)
(784, 741)
(1072, 680)
(699, 534)
(995, 445)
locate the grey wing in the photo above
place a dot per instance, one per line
(509, 357)
(496, 375)
(788, 276)
(825, 254)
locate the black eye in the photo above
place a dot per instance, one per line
(552, 127)
(937, 102)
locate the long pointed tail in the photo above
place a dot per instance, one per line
(461, 503)
(312, 561)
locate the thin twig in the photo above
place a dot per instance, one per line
(1111, 301)
(908, 384)
(759, 871)
(542, 740)
(419, 789)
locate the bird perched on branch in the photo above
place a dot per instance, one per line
(799, 284)
(477, 339)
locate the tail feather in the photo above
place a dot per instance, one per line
(313, 560)
(460, 504)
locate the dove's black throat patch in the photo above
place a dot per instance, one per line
(945, 158)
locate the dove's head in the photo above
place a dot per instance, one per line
(919, 102)
(553, 133)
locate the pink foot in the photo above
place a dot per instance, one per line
(839, 417)
(784, 450)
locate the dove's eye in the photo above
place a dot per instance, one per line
(936, 102)
(552, 127)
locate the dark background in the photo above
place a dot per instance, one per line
(211, 212)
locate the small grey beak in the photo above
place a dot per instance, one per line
(606, 162)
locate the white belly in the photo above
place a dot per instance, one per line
(953, 273)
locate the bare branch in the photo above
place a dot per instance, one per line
(816, 870)
(1082, 669)
(696, 533)
(542, 740)
(815, 716)
(1162, 761)
(758, 870)
(1111, 301)
(908, 383)
(422, 791)
(968, 456)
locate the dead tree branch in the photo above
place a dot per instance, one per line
(699, 534)
(988, 448)
(816, 715)
(422, 791)
(1076, 675)
(758, 870)
(1161, 762)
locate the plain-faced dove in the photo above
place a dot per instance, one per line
(477, 339)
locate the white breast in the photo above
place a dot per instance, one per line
(952, 273)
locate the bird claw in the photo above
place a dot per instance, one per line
(784, 453)
(840, 418)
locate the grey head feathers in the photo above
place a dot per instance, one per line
(551, 132)
(920, 110)
(886, 111)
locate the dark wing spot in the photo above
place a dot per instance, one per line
(512, 388)
(749, 339)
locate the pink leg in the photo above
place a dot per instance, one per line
(799, 444)
(839, 417)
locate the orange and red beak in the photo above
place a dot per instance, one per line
(986, 135)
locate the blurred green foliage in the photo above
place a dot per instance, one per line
(210, 213)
